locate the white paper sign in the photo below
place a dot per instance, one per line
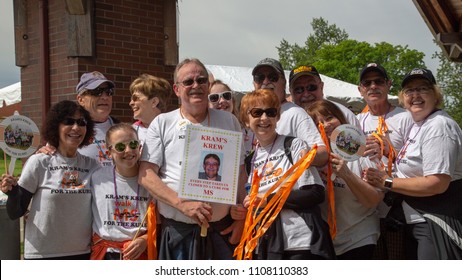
(348, 141)
(211, 165)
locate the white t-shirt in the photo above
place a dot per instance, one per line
(119, 205)
(59, 222)
(141, 131)
(273, 161)
(357, 225)
(97, 149)
(434, 146)
(296, 122)
(165, 142)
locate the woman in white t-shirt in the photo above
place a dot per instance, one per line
(356, 201)
(119, 203)
(429, 172)
(57, 187)
(298, 231)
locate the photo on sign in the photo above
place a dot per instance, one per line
(210, 169)
(18, 136)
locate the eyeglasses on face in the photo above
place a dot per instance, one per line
(71, 122)
(421, 90)
(309, 88)
(211, 164)
(259, 78)
(99, 91)
(121, 146)
(190, 82)
(377, 82)
(215, 97)
(258, 112)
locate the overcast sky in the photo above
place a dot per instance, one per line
(242, 32)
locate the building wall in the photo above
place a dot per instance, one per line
(128, 41)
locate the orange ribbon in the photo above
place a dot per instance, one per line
(257, 223)
(331, 214)
(152, 231)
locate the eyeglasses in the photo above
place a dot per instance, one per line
(71, 121)
(258, 112)
(260, 77)
(377, 82)
(99, 91)
(212, 164)
(190, 82)
(300, 90)
(120, 147)
(215, 97)
(421, 90)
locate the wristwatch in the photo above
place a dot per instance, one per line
(388, 184)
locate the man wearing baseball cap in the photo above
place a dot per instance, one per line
(94, 93)
(395, 122)
(294, 121)
(306, 87)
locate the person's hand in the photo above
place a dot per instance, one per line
(238, 212)
(339, 166)
(47, 150)
(201, 212)
(8, 182)
(258, 198)
(236, 229)
(373, 150)
(132, 250)
(374, 177)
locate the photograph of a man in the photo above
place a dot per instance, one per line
(211, 167)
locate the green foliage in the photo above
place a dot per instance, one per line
(449, 79)
(336, 56)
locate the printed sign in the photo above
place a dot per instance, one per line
(348, 141)
(211, 165)
(19, 136)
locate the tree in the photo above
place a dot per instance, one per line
(336, 56)
(449, 79)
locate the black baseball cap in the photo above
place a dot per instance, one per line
(373, 67)
(271, 62)
(303, 71)
(418, 73)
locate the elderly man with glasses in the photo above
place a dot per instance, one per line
(306, 87)
(294, 121)
(160, 173)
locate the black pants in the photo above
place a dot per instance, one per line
(419, 243)
(361, 253)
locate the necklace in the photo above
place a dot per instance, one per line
(132, 214)
(409, 140)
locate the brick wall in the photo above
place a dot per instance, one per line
(129, 41)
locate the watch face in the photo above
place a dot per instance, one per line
(348, 141)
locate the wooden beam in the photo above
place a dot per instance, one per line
(170, 33)
(80, 36)
(20, 32)
(76, 7)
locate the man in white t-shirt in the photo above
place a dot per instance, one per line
(306, 87)
(294, 121)
(160, 173)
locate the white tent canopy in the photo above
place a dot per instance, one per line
(10, 94)
(240, 79)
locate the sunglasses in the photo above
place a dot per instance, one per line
(215, 97)
(71, 121)
(258, 112)
(377, 82)
(260, 77)
(120, 147)
(99, 91)
(300, 90)
(190, 82)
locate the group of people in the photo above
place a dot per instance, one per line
(123, 202)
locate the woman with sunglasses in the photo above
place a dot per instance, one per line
(298, 232)
(119, 203)
(58, 225)
(428, 172)
(221, 97)
(356, 201)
